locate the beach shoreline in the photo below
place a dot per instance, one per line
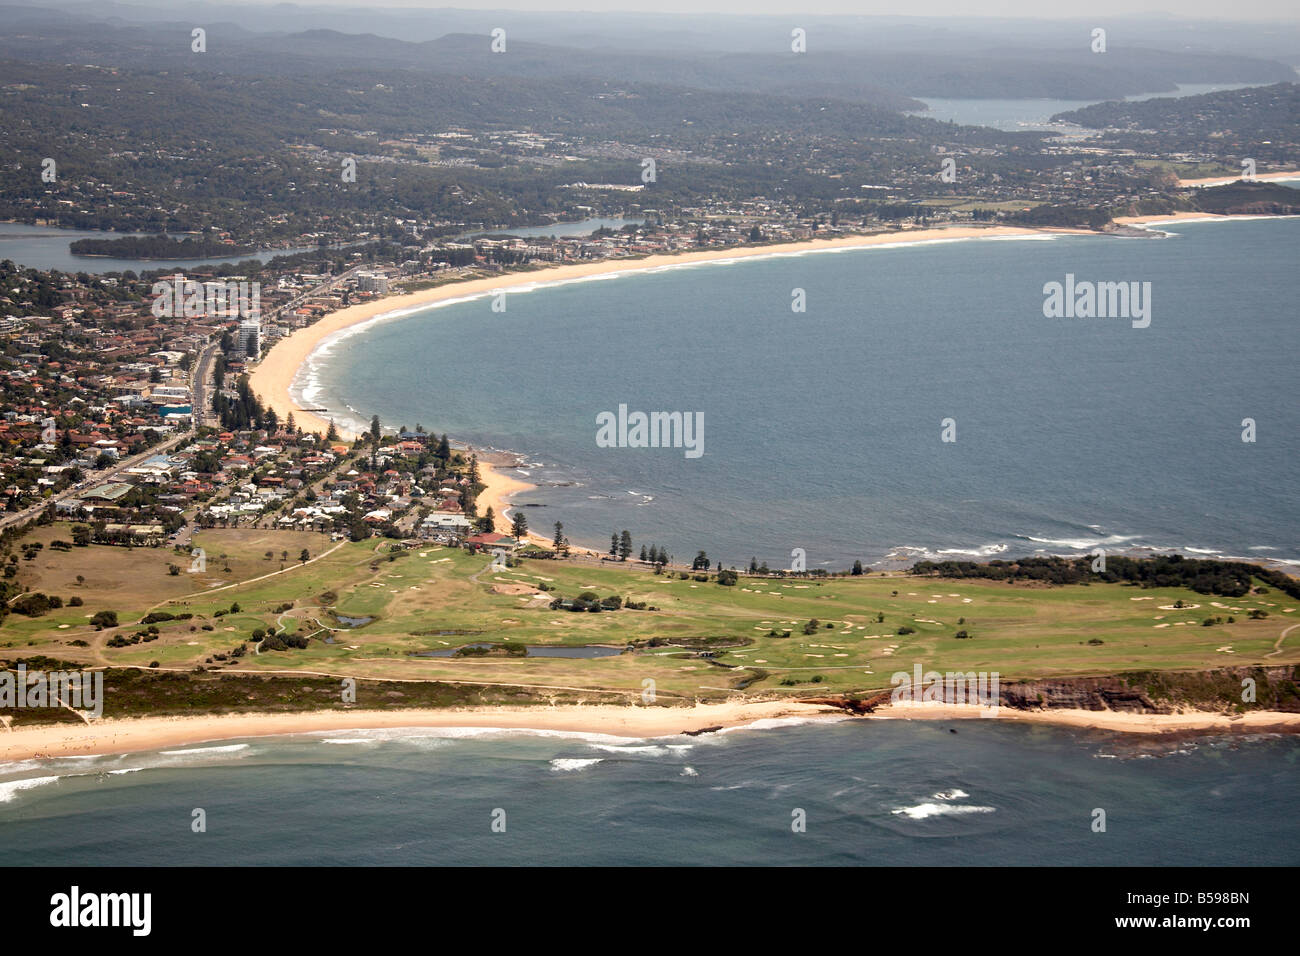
(273, 377)
(1225, 180)
(140, 734)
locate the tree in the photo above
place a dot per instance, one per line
(304, 556)
(519, 526)
(701, 562)
(624, 545)
(375, 430)
(643, 553)
(857, 568)
(560, 542)
(332, 433)
(81, 579)
(613, 544)
(488, 523)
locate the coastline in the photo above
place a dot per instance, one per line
(1225, 180)
(137, 734)
(273, 377)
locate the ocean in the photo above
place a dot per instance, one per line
(823, 429)
(882, 793)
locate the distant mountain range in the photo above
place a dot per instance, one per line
(849, 58)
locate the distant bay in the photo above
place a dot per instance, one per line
(1033, 114)
(822, 428)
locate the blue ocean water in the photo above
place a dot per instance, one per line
(822, 429)
(871, 792)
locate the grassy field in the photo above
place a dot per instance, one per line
(438, 598)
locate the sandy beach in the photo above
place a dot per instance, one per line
(1224, 180)
(130, 735)
(272, 377)
(148, 733)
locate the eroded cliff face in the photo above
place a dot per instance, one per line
(1227, 690)
(1081, 693)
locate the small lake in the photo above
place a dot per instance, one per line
(352, 621)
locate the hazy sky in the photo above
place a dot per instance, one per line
(1038, 9)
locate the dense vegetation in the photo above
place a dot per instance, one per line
(1205, 576)
(156, 247)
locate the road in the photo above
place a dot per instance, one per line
(321, 289)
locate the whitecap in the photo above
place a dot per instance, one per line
(573, 764)
(10, 788)
(923, 811)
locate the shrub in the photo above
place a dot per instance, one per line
(961, 635)
(905, 630)
(33, 605)
(75, 602)
(103, 619)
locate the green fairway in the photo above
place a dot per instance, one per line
(703, 640)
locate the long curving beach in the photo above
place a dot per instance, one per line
(273, 377)
(1225, 180)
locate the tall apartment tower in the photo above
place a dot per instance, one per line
(250, 336)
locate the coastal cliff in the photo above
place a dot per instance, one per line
(1140, 692)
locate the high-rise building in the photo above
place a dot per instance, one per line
(250, 336)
